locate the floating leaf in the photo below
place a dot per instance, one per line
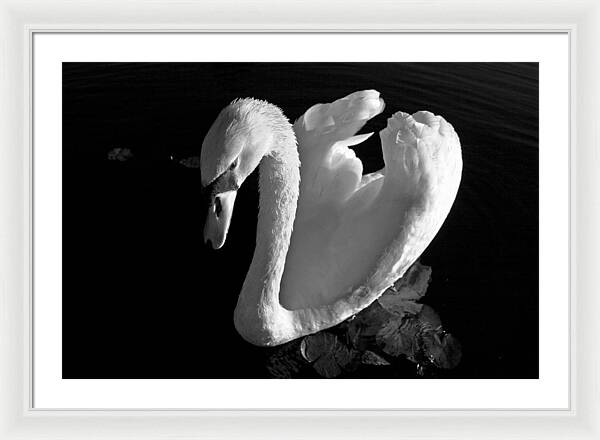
(363, 329)
(400, 298)
(345, 357)
(442, 349)
(120, 154)
(371, 358)
(394, 303)
(414, 283)
(191, 162)
(314, 346)
(400, 337)
(330, 357)
(428, 316)
(327, 367)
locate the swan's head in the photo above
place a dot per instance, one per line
(233, 147)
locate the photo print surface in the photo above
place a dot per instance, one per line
(144, 295)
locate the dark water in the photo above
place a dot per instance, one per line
(144, 298)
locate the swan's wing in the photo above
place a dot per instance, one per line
(342, 259)
(330, 171)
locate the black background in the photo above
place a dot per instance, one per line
(144, 298)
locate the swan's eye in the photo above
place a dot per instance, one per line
(218, 206)
(233, 164)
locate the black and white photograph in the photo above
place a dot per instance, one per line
(300, 220)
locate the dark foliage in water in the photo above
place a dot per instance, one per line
(396, 329)
(120, 154)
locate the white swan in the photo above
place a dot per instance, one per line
(329, 240)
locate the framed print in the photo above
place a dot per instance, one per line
(150, 264)
(367, 224)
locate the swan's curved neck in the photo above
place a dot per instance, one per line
(279, 183)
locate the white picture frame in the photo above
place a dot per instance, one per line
(17, 22)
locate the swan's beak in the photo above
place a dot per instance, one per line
(219, 218)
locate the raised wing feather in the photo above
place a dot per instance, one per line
(330, 170)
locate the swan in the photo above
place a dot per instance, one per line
(329, 240)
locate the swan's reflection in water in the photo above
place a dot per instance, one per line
(394, 332)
